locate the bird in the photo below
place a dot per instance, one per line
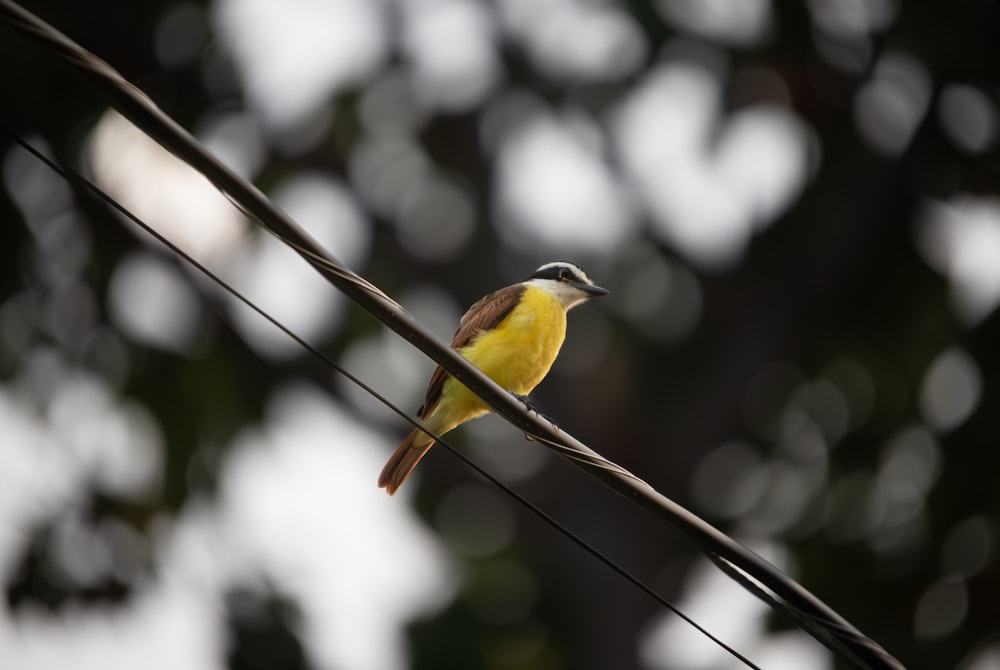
(513, 335)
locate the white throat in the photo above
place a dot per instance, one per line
(567, 295)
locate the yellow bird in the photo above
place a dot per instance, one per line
(513, 335)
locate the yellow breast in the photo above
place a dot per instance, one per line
(519, 352)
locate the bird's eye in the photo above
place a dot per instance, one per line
(565, 275)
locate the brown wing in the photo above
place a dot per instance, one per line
(485, 314)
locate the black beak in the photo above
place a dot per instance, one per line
(594, 291)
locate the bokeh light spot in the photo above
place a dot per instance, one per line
(950, 390)
(909, 464)
(790, 489)
(281, 282)
(969, 546)
(293, 54)
(555, 191)
(708, 188)
(575, 39)
(163, 191)
(449, 44)
(828, 408)
(969, 117)
(730, 480)
(180, 35)
(388, 105)
(735, 22)
(435, 220)
(890, 106)
(235, 139)
(941, 609)
(852, 18)
(960, 239)
(984, 657)
(154, 304)
(383, 167)
(388, 364)
(661, 299)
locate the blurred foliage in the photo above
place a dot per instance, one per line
(837, 277)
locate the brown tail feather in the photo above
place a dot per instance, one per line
(403, 460)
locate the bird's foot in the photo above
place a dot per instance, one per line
(528, 403)
(530, 406)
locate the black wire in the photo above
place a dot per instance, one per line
(747, 582)
(79, 180)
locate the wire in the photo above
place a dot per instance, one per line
(96, 192)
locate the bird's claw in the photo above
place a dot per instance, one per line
(530, 406)
(528, 403)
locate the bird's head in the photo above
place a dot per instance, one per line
(567, 282)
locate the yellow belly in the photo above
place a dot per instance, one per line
(517, 355)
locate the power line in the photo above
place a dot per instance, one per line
(810, 613)
(79, 180)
